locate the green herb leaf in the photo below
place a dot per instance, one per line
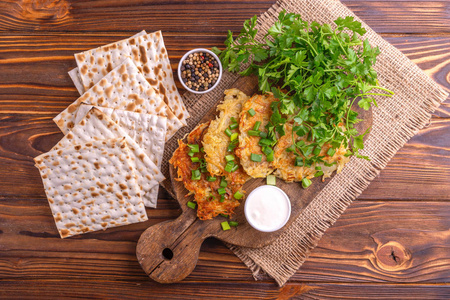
(317, 72)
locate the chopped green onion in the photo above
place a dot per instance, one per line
(202, 163)
(290, 148)
(202, 149)
(256, 126)
(234, 126)
(195, 159)
(269, 157)
(329, 165)
(194, 148)
(320, 173)
(306, 183)
(196, 175)
(265, 142)
(225, 226)
(223, 183)
(190, 153)
(271, 180)
(318, 168)
(256, 157)
(266, 150)
(224, 215)
(238, 195)
(203, 170)
(221, 191)
(331, 152)
(251, 112)
(232, 145)
(233, 223)
(233, 120)
(253, 132)
(229, 166)
(222, 198)
(191, 204)
(231, 148)
(316, 151)
(235, 167)
(234, 136)
(229, 157)
(298, 162)
(228, 132)
(263, 134)
(211, 197)
(211, 178)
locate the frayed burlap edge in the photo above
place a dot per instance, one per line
(310, 240)
(396, 120)
(316, 217)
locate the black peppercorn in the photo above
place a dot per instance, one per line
(199, 71)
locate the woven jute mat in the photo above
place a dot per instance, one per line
(395, 121)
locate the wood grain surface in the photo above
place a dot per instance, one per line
(393, 242)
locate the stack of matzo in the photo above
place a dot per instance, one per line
(106, 168)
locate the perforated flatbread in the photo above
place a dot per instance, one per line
(75, 72)
(148, 131)
(75, 76)
(91, 187)
(150, 56)
(98, 126)
(123, 88)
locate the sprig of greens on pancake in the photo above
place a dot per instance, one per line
(317, 71)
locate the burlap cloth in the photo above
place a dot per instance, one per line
(395, 121)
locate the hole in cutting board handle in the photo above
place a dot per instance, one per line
(167, 254)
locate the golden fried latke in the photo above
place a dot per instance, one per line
(205, 192)
(249, 144)
(215, 141)
(284, 161)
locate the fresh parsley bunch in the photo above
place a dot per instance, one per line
(316, 71)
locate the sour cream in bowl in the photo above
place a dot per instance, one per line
(267, 208)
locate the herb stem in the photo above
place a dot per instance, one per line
(375, 94)
(383, 89)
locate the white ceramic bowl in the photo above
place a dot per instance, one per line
(248, 205)
(181, 62)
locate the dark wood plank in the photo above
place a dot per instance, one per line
(34, 67)
(63, 289)
(384, 241)
(353, 250)
(377, 291)
(217, 16)
(420, 170)
(404, 17)
(78, 288)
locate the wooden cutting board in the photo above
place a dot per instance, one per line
(168, 251)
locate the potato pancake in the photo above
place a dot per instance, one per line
(284, 161)
(216, 141)
(249, 144)
(204, 191)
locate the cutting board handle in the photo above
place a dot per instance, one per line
(168, 251)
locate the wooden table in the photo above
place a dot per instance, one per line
(393, 242)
